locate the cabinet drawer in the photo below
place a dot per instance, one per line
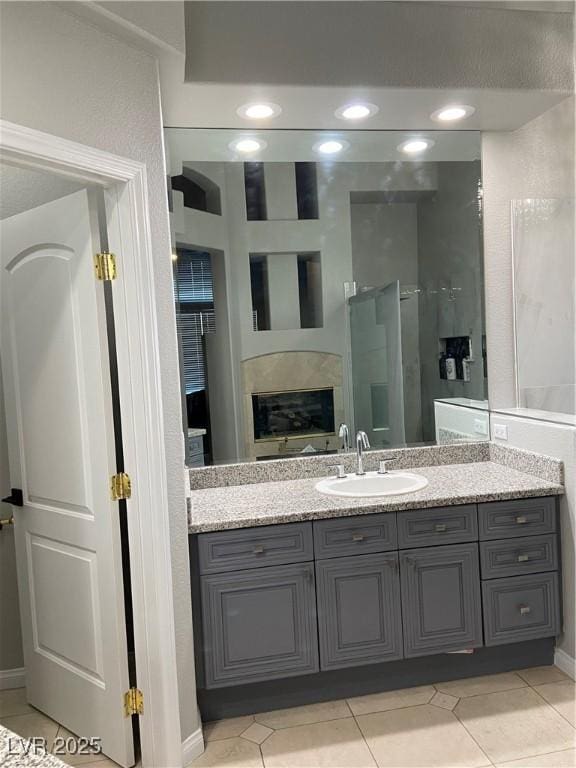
(259, 625)
(444, 525)
(253, 547)
(355, 535)
(521, 608)
(519, 517)
(514, 557)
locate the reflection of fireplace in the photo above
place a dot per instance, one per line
(297, 413)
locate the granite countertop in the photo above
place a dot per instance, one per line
(16, 752)
(243, 506)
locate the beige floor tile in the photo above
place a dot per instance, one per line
(382, 702)
(420, 736)
(69, 757)
(310, 713)
(566, 759)
(13, 702)
(515, 724)
(333, 744)
(32, 725)
(257, 733)
(226, 729)
(562, 696)
(103, 763)
(541, 675)
(444, 700)
(476, 686)
(229, 753)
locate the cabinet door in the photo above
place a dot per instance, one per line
(440, 599)
(259, 624)
(359, 616)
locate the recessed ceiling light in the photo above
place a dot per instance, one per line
(331, 146)
(262, 110)
(415, 146)
(356, 111)
(247, 146)
(452, 112)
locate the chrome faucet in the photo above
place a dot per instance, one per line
(362, 442)
(344, 433)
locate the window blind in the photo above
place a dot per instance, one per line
(194, 296)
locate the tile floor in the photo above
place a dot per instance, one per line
(25, 721)
(520, 719)
(513, 720)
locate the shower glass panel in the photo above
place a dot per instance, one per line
(376, 356)
(544, 299)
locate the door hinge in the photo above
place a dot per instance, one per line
(133, 702)
(120, 486)
(105, 266)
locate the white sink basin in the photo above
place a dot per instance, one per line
(372, 484)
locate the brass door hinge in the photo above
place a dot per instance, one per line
(105, 266)
(133, 702)
(120, 486)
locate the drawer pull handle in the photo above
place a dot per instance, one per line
(523, 558)
(521, 519)
(258, 550)
(440, 527)
(357, 537)
(525, 610)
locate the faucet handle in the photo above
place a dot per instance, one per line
(383, 465)
(340, 474)
(363, 437)
(344, 433)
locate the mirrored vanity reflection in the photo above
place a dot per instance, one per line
(327, 279)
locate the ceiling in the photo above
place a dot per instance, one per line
(158, 27)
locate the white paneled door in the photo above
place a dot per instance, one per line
(61, 443)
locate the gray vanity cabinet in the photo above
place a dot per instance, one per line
(441, 605)
(259, 624)
(359, 616)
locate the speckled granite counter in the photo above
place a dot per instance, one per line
(242, 506)
(16, 752)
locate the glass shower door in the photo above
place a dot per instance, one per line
(376, 356)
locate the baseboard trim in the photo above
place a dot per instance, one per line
(565, 662)
(192, 747)
(12, 678)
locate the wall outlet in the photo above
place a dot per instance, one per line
(501, 431)
(480, 427)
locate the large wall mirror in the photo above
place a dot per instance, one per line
(323, 279)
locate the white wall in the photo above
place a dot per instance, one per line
(64, 77)
(536, 161)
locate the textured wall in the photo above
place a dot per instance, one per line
(416, 45)
(64, 77)
(535, 161)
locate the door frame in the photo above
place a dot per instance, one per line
(125, 189)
